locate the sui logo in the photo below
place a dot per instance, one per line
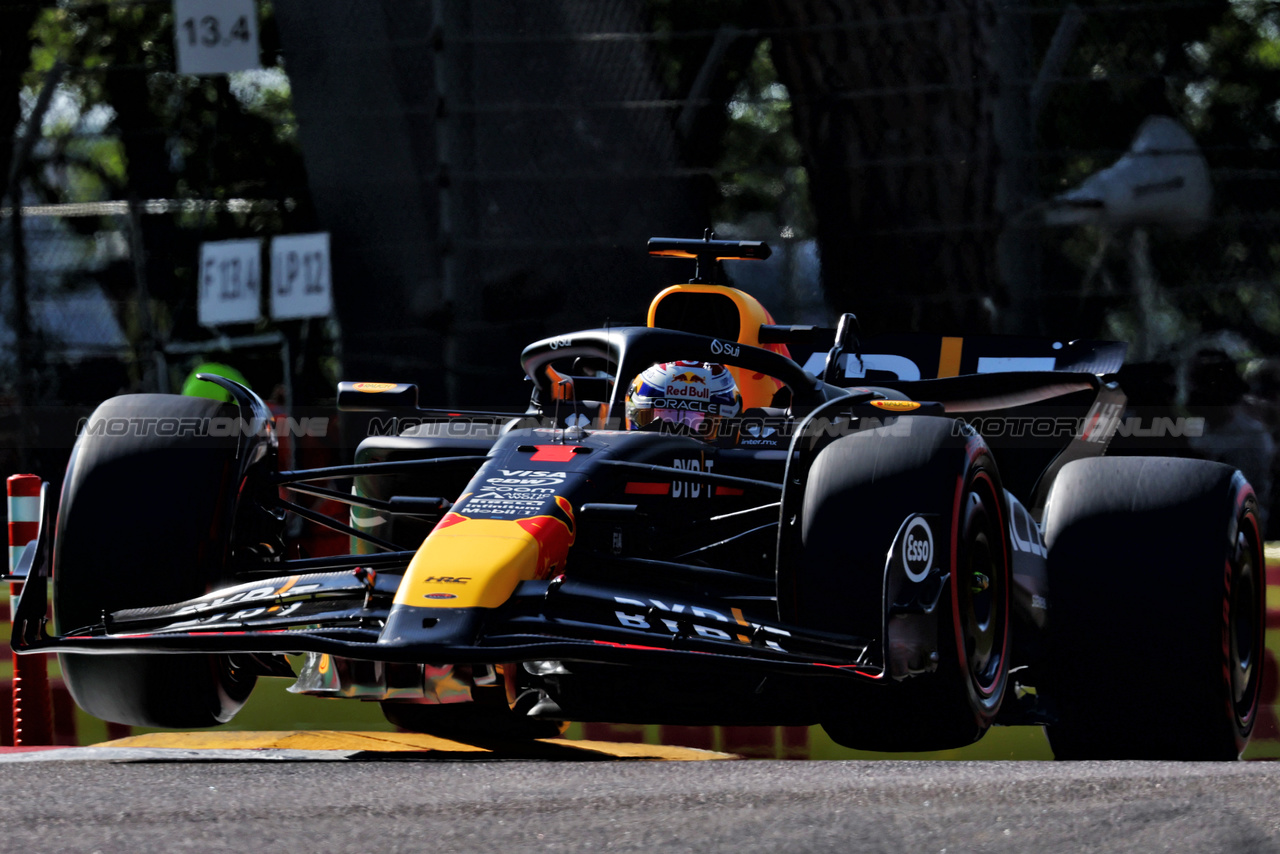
(723, 348)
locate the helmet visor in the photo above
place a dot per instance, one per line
(691, 418)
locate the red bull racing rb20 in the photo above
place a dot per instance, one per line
(709, 519)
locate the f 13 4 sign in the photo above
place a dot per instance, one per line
(231, 279)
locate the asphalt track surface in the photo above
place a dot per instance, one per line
(121, 800)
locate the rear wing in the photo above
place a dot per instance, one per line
(918, 356)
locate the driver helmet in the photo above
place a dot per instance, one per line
(690, 396)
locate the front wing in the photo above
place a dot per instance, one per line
(350, 614)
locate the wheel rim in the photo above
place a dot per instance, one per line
(981, 591)
(1243, 630)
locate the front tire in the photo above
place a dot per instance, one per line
(144, 520)
(1157, 617)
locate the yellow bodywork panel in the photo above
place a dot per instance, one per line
(471, 563)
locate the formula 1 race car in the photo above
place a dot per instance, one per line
(906, 539)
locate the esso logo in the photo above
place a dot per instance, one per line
(721, 348)
(917, 549)
(558, 343)
(440, 596)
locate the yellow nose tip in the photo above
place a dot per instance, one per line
(476, 563)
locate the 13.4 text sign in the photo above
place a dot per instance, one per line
(300, 280)
(230, 282)
(215, 36)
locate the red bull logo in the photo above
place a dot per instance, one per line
(685, 387)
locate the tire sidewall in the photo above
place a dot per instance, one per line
(1145, 587)
(1244, 530)
(985, 699)
(935, 475)
(145, 519)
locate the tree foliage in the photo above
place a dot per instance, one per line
(869, 124)
(887, 108)
(1211, 66)
(739, 126)
(125, 126)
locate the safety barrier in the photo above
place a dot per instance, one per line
(61, 725)
(32, 710)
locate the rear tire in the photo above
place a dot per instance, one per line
(1157, 611)
(144, 520)
(860, 490)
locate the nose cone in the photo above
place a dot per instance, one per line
(474, 563)
(408, 625)
(477, 563)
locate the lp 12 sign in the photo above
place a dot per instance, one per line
(301, 285)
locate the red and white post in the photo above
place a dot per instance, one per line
(32, 707)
